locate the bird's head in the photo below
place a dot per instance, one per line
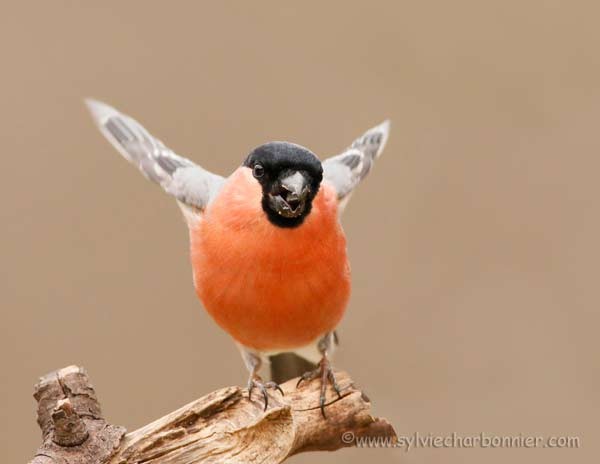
(290, 176)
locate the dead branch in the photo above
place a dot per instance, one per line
(221, 427)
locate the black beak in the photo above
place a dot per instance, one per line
(289, 199)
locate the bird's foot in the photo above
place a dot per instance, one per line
(256, 382)
(325, 372)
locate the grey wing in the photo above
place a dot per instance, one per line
(345, 171)
(189, 183)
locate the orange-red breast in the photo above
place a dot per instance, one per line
(267, 249)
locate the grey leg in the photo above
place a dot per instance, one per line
(253, 362)
(324, 369)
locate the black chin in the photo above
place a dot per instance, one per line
(281, 221)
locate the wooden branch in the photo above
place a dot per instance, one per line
(221, 427)
(73, 429)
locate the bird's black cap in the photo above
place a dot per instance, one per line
(276, 161)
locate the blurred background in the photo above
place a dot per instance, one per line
(474, 242)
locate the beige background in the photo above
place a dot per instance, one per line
(474, 242)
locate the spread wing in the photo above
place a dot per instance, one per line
(189, 183)
(345, 171)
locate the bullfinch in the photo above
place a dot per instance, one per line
(267, 249)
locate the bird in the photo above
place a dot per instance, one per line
(267, 249)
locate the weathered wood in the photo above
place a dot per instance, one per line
(73, 429)
(221, 427)
(69, 427)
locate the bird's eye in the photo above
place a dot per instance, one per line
(258, 171)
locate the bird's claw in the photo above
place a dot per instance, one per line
(256, 382)
(325, 372)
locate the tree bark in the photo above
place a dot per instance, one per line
(221, 427)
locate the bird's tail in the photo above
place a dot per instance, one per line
(286, 366)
